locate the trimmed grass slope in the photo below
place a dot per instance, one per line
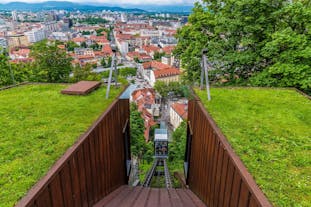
(270, 129)
(37, 126)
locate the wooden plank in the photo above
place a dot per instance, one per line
(141, 200)
(66, 186)
(75, 181)
(88, 173)
(164, 198)
(56, 192)
(101, 164)
(82, 177)
(211, 145)
(253, 202)
(235, 190)
(223, 183)
(185, 199)
(200, 159)
(132, 196)
(32, 204)
(93, 168)
(213, 175)
(81, 88)
(174, 198)
(116, 201)
(204, 181)
(197, 202)
(105, 154)
(44, 199)
(218, 175)
(244, 196)
(229, 183)
(153, 198)
(104, 201)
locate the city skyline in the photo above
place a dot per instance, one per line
(120, 2)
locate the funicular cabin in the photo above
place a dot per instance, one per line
(161, 143)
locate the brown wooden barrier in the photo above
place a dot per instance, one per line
(91, 168)
(215, 172)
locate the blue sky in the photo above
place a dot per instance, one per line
(134, 2)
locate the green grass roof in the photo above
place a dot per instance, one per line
(270, 129)
(37, 126)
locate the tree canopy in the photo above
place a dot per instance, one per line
(51, 63)
(139, 147)
(258, 42)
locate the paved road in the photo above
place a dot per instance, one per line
(101, 69)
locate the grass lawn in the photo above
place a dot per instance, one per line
(37, 125)
(270, 129)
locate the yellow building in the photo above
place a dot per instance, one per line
(17, 41)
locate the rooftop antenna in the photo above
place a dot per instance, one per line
(112, 68)
(204, 72)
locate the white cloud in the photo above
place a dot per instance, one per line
(119, 2)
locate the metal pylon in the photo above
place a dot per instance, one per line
(205, 65)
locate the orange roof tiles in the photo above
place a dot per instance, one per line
(168, 49)
(155, 65)
(142, 97)
(151, 48)
(61, 46)
(22, 52)
(79, 39)
(166, 72)
(181, 109)
(107, 50)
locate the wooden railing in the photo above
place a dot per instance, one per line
(214, 172)
(92, 168)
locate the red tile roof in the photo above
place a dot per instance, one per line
(166, 72)
(181, 110)
(155, 65)
(61, 46)
(107, 50)
(168, 49)
(22, 52)
(79, 39)
(151, 48)
(142, 97)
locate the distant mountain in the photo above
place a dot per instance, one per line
(166, 8)
(62, 5)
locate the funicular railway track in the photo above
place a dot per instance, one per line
(168, 181)
(151, 173)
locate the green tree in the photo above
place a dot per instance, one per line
(86, 32)
(139, 147)
(71, 46)
(289, 50)
(176, 88)
(95, 46)
(158, 55)
(124, 72)
(247, 37)
(51, 63)
(83, 44)
(84, 73)
(5, 77)
(178, 146)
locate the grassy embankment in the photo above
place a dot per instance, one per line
(270, 129)
(37, 125)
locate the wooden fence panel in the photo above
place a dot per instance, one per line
(215, 172)
(92, 168)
